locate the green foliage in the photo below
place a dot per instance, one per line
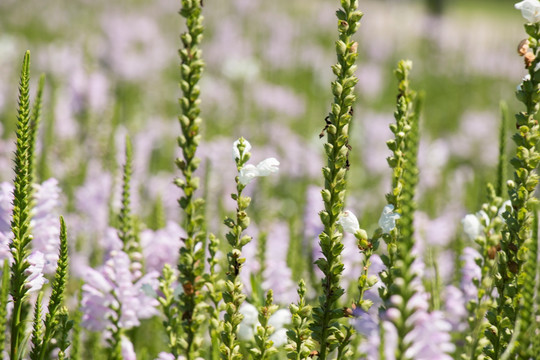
(64, 327)
(20, 223)
(326, 327)
(127, 231)
(191, 262)
(300, 344)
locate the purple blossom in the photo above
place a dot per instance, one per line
(277, 274)
(128, 353)
(162, 246)
(113, 286)
(45, 223)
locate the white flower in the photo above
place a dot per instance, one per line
(251, 318)
(349, 222)
(471, 226)
(388, 218)
(249, 172)
(236, 152)
(530, 10)
(247, 327)
(268, 166)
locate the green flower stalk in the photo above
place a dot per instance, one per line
(37, 328)
(168, 306)
(405, 114)
(57, 296)
(300, 344)
(64, 327)
(527, 322)
(191, 261)
(232, 292)
(126, 229)
(398, 276)
(521, 193)
(326, 328)
(20, 223)
(264, 346)
(213, 286)
(489, 241)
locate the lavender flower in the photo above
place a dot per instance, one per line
(113, 287)
(35, 280)
(128, 353)
(45, 226)
(162, 246)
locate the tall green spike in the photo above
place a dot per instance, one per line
(58, 289)
(191, 259)
(20, 223)
(37, 329)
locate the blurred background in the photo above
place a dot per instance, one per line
(112, 70)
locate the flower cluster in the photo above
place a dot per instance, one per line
(112, 291)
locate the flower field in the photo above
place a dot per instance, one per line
(254, 179)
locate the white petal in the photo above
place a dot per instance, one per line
(268, 166)
(349, 222)
(248, 173)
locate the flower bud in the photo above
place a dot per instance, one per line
(523, 47)
(528, 58)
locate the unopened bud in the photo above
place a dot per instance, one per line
(528, 58)
(523, 47)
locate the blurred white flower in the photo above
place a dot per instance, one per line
(247, 326)
(268, 166)
(388, 218)
(264, 168)
(349, 222)
(278, 320)
(530, 10)
(471, 226)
